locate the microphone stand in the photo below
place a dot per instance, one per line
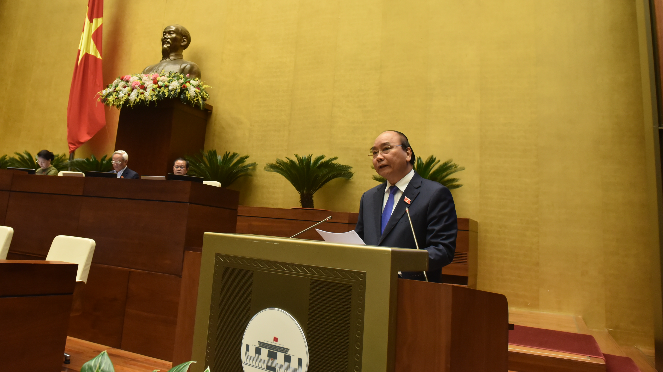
(415, 236)
(310, 227)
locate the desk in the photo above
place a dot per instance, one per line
(35, 301)
(287, 222)
(143, 230)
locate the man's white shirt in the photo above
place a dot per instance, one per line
(119, 174)
(401, 185)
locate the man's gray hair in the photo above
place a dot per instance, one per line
(124, 154)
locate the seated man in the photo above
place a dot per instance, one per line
(382, 218)
(119, 160)
(181, 167)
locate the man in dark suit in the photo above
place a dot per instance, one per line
(382, 217)
(119, 160)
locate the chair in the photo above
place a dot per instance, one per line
(75, 250)
(212, 183)
(6, 234)
(71, 174)
(79, 251)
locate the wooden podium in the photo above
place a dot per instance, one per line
(353, 311)
(155, 136)
(35, 301)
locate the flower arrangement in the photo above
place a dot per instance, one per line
(143, 89)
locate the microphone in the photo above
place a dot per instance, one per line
(310, 227)
(407, 210)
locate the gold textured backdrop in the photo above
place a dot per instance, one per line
(541, 101)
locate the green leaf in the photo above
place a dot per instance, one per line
(430, 170)
(308, 175)
(225, 169)
(27, 160)
(4, 162)
(61, 162)
(182, 367)
(92, 164)
(207, 370)
(24, 160)
(100, 363)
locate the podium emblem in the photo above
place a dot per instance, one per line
(274, 341)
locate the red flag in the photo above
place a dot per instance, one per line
(85, 116)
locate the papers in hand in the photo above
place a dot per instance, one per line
(349, 237)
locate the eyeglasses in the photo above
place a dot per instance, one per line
(116, 162)
(385, 150)
(179, 167)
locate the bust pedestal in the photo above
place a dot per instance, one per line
(155, 136)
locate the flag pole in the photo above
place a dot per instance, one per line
(71, 158)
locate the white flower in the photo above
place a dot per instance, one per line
(132, 79)
(133, 96)
(174, 85)
(194, 82)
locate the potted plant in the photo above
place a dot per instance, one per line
(27, 161)
(308, 175)
(102, 363)
(92, 164)
(225, 169)
(4, 162)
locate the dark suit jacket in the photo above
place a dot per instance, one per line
(129, 174)
(433, 216)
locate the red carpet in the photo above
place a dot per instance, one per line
(614, 363)
(546, 339)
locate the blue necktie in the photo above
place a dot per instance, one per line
(386, 213)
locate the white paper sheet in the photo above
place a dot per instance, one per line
(349, 237)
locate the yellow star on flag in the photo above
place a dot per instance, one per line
(87, 45)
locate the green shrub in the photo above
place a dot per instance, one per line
(225, 169)
(92, 164)
(308, 175)
(430, 170)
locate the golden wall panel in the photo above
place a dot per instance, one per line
(540, 101)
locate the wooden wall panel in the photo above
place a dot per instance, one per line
(286, 228)
(203, 219)
(479, 328)
(136, 234)
(4, 202)
(213, 196)
(186, 317)
(103, 302)
(424, 313)
(48, 185)
(34, 332)
(449, 328)
(6, 177)
(38, 218)
(151, 314)
(23, 256)
(33, 278)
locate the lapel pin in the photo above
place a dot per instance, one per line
(407, 200)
